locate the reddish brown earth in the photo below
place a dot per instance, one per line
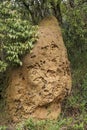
(37, 88)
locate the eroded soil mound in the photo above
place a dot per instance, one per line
(37, 88)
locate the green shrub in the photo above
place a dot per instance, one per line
(17, 35)
(74, 25)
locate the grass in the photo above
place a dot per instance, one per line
(69, 123)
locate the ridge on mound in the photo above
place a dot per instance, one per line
(37, 88)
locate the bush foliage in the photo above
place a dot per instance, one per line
(74, 25)
(17, 35)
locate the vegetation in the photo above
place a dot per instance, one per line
(36, 10)
(17, 35)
